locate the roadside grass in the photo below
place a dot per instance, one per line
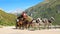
(1, 26)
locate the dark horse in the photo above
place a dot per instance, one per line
(19, 22)
(23, 23)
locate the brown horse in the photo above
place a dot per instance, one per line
(23, 24)
(27, 24)
(19, 23)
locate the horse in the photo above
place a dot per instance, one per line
(19, 23)
(39, 20)
(29, 23)
(48, 22)
(51, 20)
(39, 23)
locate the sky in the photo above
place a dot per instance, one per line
(8, 5)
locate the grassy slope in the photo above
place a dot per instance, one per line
(6, 19)
(46, 10)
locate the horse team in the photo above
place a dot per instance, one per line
(25, 21)
(22, 24)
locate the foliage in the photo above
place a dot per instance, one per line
(46, 10)
(7, 19)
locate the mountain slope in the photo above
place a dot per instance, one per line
(46, 9)
(7, 19)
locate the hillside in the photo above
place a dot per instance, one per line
(7, 19)
(46, 9)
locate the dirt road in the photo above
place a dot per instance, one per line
(11, 30)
